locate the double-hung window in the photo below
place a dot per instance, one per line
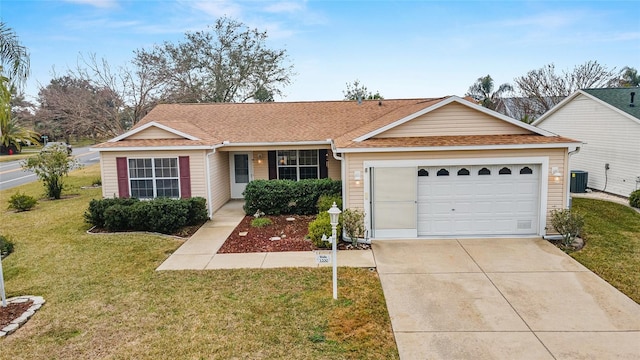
(156, 177)
(297, 164)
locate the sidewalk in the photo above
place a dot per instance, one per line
(200, 251)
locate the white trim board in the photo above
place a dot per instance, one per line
(154, 124)
(538, 160)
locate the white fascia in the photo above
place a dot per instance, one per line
(276, 143)
(154, 124)
(155, 148)
(453, 148)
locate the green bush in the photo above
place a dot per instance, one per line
(634, 199)
(322, 226)
(6, 246)
(261, 222)
(95, 215)
(325, 202)
(353, 223)
(198, 212)
(568, 224)
(117, 217)
(22, 202)
(161, 215)
(276, 197)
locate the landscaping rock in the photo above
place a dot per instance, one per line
(9, 329)
(243, 233)
(275, 238)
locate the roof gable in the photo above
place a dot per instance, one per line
(153, 130)
(616, 99)
(438, 120)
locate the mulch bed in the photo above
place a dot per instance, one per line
(12, 311)
(292, 234)
(184, 232)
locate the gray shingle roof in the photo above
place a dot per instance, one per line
(619, 98)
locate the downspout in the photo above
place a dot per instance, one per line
(343, 171)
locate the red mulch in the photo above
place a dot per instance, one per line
(292, 235)
(12, 311)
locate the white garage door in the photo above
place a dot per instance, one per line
(478, 200)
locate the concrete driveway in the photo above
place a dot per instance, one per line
(501, 299)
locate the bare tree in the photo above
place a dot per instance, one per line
(628, 77)
(74, 107)
(358, 91)
(545, 88)
(227, 63)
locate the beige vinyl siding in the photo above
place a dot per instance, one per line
(333, 166)
(110, 175)
(453, 119)
(556, 198)
(260, 165)
(609, 138)
(153, 132)
(220, 179)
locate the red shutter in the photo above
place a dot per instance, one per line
(185, 177)
(273, 165)
(123, 177)
(322, 162)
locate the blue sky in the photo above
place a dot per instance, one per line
(404, 49)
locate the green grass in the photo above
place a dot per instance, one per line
(105, 299)
(612, 236)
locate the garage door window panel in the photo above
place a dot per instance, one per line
(505, 171)
(443, 172)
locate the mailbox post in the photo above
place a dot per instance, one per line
(334, 216)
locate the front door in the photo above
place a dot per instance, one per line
(240, 173)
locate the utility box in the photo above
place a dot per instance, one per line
(579, 181)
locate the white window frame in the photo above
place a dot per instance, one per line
(153, 177)
(297, 165)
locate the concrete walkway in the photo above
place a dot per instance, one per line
(501, 299)
(200, 251)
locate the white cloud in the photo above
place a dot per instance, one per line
(103, 4)
(217, 8)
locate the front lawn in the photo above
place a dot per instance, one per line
(612, 235)
(105, 299)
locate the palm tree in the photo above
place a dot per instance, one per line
(483, 92)
(13, 55)
(12, 135)
(629, 77)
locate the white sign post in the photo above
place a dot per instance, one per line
(2, 294)
(334, 214)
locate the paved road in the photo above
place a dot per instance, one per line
(12, 175)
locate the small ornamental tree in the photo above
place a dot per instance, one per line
(568, 224)
(51, 167)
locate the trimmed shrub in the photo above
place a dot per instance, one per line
(261, 222)
(22, 202)
(325, 202)
(322, 226)
(634, 199)
(6, 246)
(198, 212)
(161, 215)
(95, 215)
(117, 217)
(276, 197)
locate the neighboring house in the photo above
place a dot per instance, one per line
(608, 122)
(418, 168)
